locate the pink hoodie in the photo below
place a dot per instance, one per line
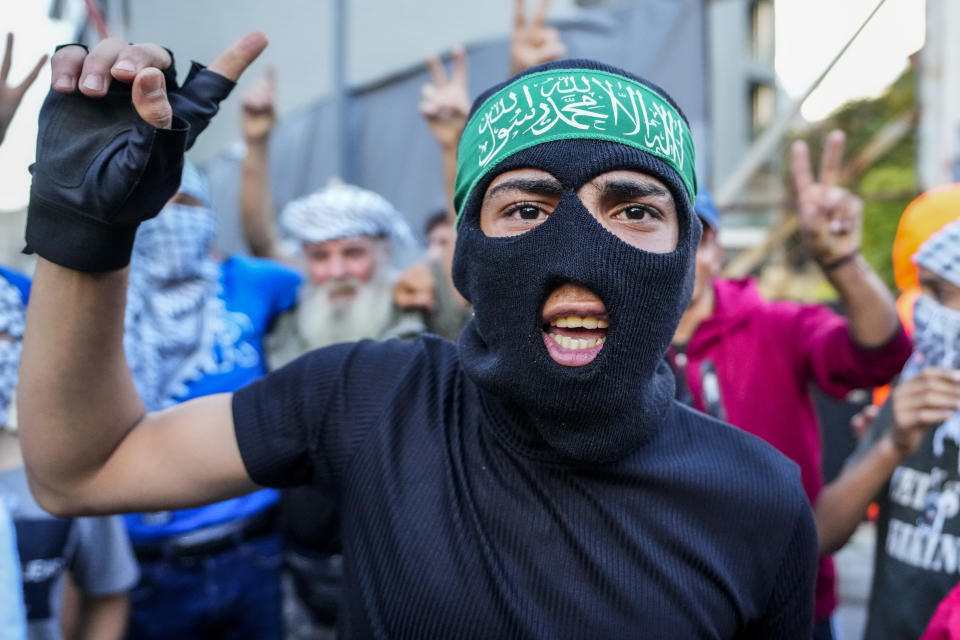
(766, 355)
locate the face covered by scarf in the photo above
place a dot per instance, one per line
(13, 313)
(172, 303)
(937, 327)
(610, 406)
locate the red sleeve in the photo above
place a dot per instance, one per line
(831, 357)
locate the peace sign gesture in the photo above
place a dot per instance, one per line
(10, 96)
(532, 41)
(445, 102)
(830, 217)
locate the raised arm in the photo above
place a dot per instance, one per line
(831, 223)
(532, 41)
(445, 104)
(257, 215)
(88, 446)
(925, 400)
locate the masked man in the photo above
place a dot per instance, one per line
(910, 455)
(535, 480)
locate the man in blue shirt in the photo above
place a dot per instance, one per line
(195, 326)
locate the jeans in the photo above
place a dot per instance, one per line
(232, 595)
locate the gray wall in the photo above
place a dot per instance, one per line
(391, 150)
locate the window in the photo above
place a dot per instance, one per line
(761, 30)
(762, 107)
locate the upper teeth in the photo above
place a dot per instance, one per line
(578, 321)
(575, 343)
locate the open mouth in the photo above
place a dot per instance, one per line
(575, 340)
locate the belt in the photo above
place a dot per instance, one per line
(210, 540)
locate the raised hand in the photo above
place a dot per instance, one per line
(10, 96)
(110, 155)
(929, 398)
(259, 112)
(830, 217)
(445, 102)
(532, 41)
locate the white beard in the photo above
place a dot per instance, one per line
(322, 320)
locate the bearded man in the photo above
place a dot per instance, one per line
(535, 480)
(345, 236)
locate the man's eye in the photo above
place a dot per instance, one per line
(638, 212)
(525, 212)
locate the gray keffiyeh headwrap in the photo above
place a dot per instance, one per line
(13, 313)
(347, 211)
(937, 328)
(173, 304)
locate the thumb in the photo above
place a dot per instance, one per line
(150, 98)
(232, 62)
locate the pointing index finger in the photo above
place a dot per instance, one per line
(459, 75)
(519, 15)
(832, 156)
(23, 86)
(800, 166)
(7, 55)
(231, 63)
(437, 74)
(540, 19)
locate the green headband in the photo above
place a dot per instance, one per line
(561, 104)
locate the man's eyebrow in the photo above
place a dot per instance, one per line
(538, 186)
(632, 189)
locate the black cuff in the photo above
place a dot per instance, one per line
(75, 241)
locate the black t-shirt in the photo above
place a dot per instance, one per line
(917, 559)
(452, 527)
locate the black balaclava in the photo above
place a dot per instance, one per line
(605, 409)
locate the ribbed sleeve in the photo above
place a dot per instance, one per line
(300, 424)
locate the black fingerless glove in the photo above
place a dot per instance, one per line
(101, 170)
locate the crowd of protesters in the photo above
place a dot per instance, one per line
(516, 433)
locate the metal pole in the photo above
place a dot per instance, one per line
(340, 25)
(761, 149)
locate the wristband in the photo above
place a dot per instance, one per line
(827, 267)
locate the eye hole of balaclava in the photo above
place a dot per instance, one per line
(635, 207)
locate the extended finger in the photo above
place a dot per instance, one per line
(947, 376)
(95, 77)
(540, 18)
(832, 157)
(437, 74)
(7, 58)
(233, 62)
(65, 67)
(459, 74)
(150, 98)
(32, 76)
(800, 166)
(519, 15)
(933, 416)
(136, 57)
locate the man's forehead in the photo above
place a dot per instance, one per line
(532, 177)
(337, 243)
